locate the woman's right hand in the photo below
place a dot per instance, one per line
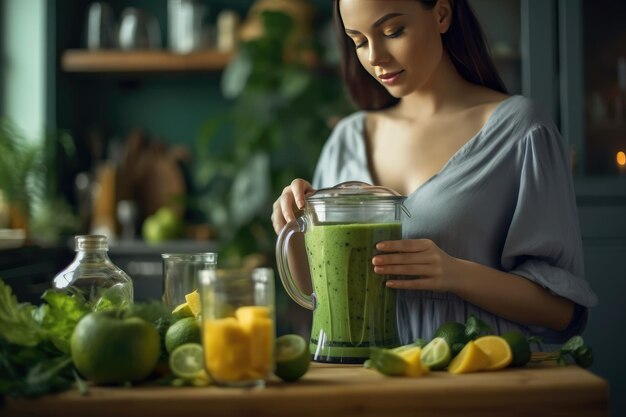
(291, 199)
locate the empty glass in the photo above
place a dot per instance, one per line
(101, 26)
(180, 274)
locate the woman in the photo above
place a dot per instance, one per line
(493, 229)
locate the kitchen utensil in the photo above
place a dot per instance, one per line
(101, 26)
(138, 30)
(353, 310)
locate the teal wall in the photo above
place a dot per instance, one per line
(22, 44)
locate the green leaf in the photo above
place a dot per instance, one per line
(572, 344)
(150, 311)
(583, 356)
(475, 327)
(277, 25)
(17, 323)
(235, 76)
(60, 316)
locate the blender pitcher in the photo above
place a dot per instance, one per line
(352, 308)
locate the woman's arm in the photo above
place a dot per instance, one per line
(507, 295)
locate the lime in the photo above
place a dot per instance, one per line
(292, 357)
(186, 361)
(183, 331)
(519, 347)
(436, 354)
(454, 334)
(182, 311)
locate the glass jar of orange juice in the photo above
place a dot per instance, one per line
(238, 325)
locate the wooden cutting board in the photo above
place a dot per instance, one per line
(340, 390)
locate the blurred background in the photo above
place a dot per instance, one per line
(172, 126)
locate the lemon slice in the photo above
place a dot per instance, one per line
(182, 311)
(498, 350)
(186, 361)
(470, 359)
(292, 357)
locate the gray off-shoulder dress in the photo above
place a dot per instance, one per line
(504, 200)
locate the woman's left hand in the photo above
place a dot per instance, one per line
(421, 258)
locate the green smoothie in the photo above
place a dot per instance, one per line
(354, 309)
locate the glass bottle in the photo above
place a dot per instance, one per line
(93, 276)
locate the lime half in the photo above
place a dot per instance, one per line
(436, 354)
(186, 361)
(292, 357)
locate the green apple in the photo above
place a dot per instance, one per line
(152, 231)
(169, 221)
(110, 349)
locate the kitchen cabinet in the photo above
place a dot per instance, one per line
(349, 391)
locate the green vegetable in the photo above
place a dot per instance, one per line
(577, 350)
(574, 350)
(34, 343)
(475, 327)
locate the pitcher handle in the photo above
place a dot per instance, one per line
(284, 272)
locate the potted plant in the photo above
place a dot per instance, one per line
(27, 185)
(272, 133)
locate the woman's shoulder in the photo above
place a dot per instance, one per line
(350, 122)
(347, 130)
(523, 113)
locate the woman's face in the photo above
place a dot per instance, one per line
(397, 41)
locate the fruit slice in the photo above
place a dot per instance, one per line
(470, 359)
(246, 314)
(454, 334)
(519, 347)
(193, 300)
(436, 354)
(413, 358)
(227, 350)
(292, 357)
(388, 362)
(186, 361)
(182, 311)
(498, 351)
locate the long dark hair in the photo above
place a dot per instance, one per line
(464, 42)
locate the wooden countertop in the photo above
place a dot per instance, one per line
(340, 390)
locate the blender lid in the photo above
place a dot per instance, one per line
(356, 190)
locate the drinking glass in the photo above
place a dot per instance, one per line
(180, 274)
(238, 325)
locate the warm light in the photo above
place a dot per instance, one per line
(621, 158)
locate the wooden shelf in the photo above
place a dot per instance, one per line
(116, 61)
